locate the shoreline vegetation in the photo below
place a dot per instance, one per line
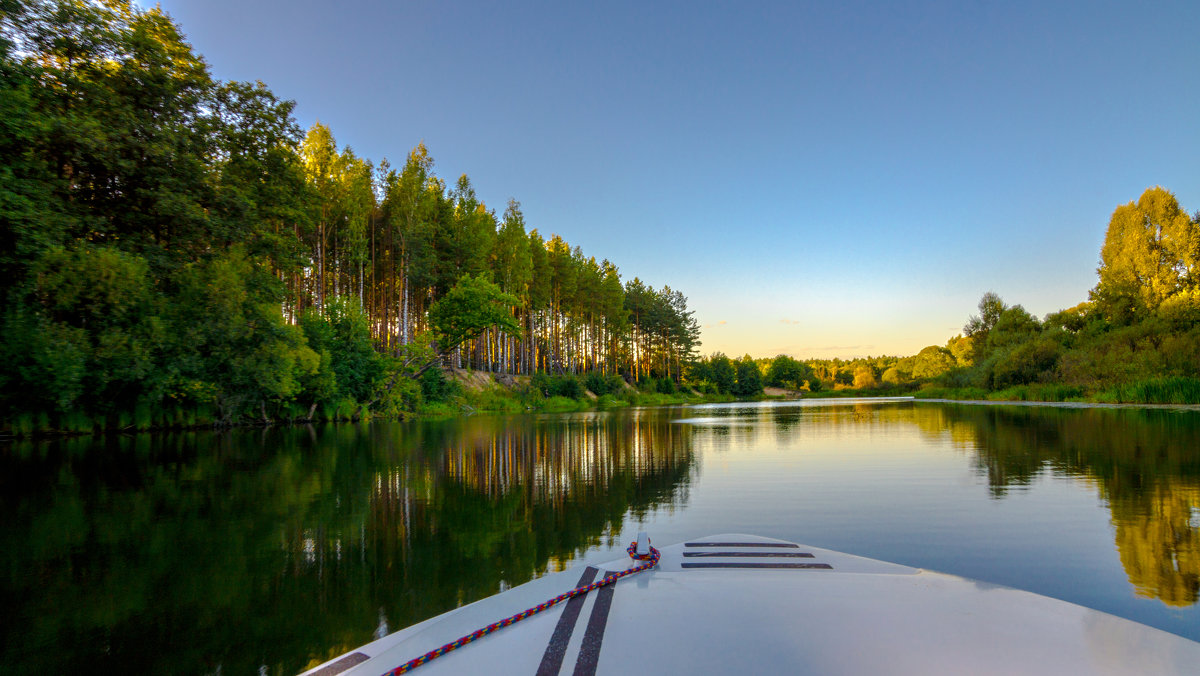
(176, 253)
(472, 393)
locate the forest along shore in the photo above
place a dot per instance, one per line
(245, 271)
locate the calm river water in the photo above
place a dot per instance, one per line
(267, 551)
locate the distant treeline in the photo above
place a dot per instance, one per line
(174, 250)
(1136, 338)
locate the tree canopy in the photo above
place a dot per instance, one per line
(1151, 253)
(172, 240)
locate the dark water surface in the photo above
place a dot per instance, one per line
(268, 551)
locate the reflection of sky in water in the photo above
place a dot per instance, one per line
(723, 422)
(902, 481)
(1098, 507)
(798, 403)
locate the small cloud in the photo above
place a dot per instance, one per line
(720, 323)
(789, 321)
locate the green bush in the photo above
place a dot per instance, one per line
(557, 386)
(342, 409)
(22, 424)
(1028, 362)
(656, 399)
(611, 401)
(438, 409)
(76, 422)
(435, 386)
(959, 393)
(559, 403)
(600, 384)
(496, 399)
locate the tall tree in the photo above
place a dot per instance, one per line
(357, 195)
(512, 266)
(321, 166)
(465, 241)
(410, 205)
(540, 298)
(1151, 251)
(978, 326)
(749, 378)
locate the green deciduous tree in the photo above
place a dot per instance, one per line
(932, 362)
(87, 337)
(788, 372)
(471, 307)
(1015, 325)
(125, 165)
(1027, 362)
(229, 343)
(341, 331)
(1151, 251)
(724, 374)
(978, 326)
(865, 377)
(749, 378)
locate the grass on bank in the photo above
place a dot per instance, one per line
(443, 398)
(435, 396)
(1175, 390)
(555, 394)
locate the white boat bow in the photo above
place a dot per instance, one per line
(737, 603)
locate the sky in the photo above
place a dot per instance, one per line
(819, 179)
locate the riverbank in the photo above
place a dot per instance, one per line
(1059, 404)
(481, 391)
(1155, 392)
(457, 392)
(463, 392)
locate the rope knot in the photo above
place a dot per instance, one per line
(652, 555)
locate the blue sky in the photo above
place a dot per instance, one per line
(820, 180)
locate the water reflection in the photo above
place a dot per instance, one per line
(1145, 463)
(1159, 539)
(200, 552)
(203, 552)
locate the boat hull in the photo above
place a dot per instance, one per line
(741, 603)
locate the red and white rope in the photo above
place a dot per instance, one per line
(650, 559)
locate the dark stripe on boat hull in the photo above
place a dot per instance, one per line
(788, 545)
(342, 665)
(755, 564)
(589, 652)
(791, 555)
(552, 659)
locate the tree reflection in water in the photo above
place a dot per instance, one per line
(200, 552)
(1145, 464)
(232, 551)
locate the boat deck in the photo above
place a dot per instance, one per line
(742, 603)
